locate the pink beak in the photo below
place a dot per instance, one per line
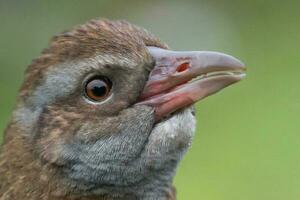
(180, 79)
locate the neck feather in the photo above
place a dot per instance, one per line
(22, 174)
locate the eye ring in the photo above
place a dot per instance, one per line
(97, 88)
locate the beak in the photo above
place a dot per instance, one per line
(180, 79)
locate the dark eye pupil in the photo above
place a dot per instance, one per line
(98, 88)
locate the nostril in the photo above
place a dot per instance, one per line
(183, 67)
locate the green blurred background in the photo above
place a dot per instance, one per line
(247, 144)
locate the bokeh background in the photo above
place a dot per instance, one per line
(247, 144)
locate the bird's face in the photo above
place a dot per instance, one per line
(112, 108)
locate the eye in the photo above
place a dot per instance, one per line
(98, 88)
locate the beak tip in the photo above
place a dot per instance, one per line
(241, 76)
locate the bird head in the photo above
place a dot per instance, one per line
(111, 107)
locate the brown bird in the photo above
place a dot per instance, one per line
(106, 113)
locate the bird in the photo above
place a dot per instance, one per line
(107, 112)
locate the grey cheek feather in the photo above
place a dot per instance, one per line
(112, 159)
(26, 117)
(134, 156)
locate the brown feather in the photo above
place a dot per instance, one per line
(23, 174)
